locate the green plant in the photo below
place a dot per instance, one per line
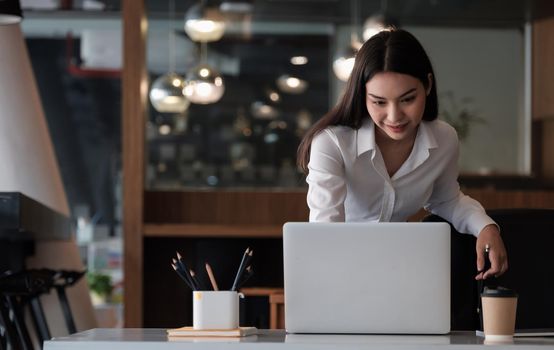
(460, 115)
(100, 283)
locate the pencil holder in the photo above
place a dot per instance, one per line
(215, 310)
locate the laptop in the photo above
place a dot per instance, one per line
(367, 278)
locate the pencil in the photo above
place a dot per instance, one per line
(240, 271)
(195, 280)
(249, 257)
(249, 273)
(211, 276)
(183, 268)
(182, 276)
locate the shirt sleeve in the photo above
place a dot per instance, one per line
(447, 201)
(327, 186)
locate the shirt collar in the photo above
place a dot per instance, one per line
(366, 137)
(425, 139)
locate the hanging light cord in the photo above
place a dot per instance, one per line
(171, 36)
(203, 52)
(354, 10)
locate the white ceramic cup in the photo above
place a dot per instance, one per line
(215, 309)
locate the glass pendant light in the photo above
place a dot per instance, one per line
(10, 12)
(203, 23)
(262, 110)
(166, 92)
(344, 61)
(291, 84)
(203, 84)
(378, 22)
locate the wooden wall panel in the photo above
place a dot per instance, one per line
(543, 69)
(231, 212)
(135, 84)
(225, 207)
(491, 199)
(547, 160)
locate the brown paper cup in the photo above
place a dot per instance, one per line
(499, 317)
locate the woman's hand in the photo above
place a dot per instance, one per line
(490, 235)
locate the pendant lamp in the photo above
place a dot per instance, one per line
(378, 22)
(10, 12)
(291, 84)
(203, 84)
(344, 61)
(166, 92)
(204, 23)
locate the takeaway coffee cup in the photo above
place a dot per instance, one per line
(499, 313)
(215, 310)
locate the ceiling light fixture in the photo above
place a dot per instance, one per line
(299, 60)
(344, 61)
(203, 84)
(291, 84)
(204, 23)
(262, 110)
(166, 92)
(10, 12)
(378, 22)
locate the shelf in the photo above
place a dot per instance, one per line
(220, 231)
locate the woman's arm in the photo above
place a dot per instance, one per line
(327, 186)
(447, 201)
(467, 215)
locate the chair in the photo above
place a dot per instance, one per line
(24, 288)
(16, 289)
(277, 311)
(275, 299)
(528, 235)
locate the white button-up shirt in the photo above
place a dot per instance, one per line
(348, 180)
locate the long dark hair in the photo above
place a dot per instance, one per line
(395, 50)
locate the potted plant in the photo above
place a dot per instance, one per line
(100, 287)
(459, 114)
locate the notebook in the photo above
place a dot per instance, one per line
(531, 332)
(377, 278)
(191, 332)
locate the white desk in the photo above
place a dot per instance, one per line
(156, 339)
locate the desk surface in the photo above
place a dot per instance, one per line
(143, 339)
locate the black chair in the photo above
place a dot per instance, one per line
(24, 288)
(15, 291)
(528, 235)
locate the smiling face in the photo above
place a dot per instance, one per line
(396, 103)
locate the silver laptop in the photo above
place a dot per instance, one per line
(379, 278)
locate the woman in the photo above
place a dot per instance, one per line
(381, 154)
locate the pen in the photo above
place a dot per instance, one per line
(481, 283)
(491, 281)
(211, 276)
